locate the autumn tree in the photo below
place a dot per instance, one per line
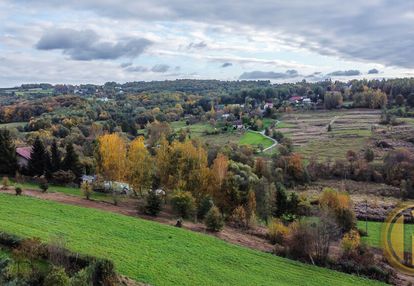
(140, 166)
(112, 157)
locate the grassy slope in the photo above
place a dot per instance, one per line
(252, 138)
(66, 190)
(159, 254)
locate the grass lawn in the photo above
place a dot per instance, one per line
(66, 190)
(196, 130)
(374, 232)
(253, 138)
(158, 254)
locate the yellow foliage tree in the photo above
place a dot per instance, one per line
(140, 165)
(112, 157)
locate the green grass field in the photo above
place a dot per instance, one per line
(374, 232)
(253, 138)
(66, 190)
(158, 254)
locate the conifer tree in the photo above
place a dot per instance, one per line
(71, 161)
(56, 158)
(38, 159)
(8, 161)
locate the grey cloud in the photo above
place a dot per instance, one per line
(345, 73)
(200, 45)
(86, 45)
(139, 69)
(225, 65)
(160, 68)
(269, 75)
(125, 65)
(373, 71)
(363, 31)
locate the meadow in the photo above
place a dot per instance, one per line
(158, 254)
(350, 130)
(255, 139)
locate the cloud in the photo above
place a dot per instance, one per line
(161, 68)
(364, 31)
(200, 45)
(86, 45)
(227, 64)
(125, 65)
(138, 69)
(345, 73)
(269, 75)
(373, 71)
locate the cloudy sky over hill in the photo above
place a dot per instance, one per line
(78, 41)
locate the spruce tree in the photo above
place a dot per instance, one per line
(38, 159)
(55, 160)
(8, 160)
(71, 162)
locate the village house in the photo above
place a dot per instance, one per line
(23, 156)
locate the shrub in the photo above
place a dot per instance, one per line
(351, 241)
(300, 241)
(345, 219)
(214, 221)
(86, 190)
(81, 278)
(103, 273)
(277, 232)
(183, 204)
(5, 183)
(57, 277)
(154, 204)
(205, 205)
(44, 185)
(369, 155)
(62, 177)
(18, 191)
(239, 218)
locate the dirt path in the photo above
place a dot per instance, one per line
(254, 239)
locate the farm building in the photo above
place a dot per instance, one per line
(23, 156)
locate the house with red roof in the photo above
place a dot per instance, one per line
(23, 156)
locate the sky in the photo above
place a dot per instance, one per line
(95, 41)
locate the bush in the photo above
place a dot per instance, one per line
(81, 278)
(351, 241)
(18, 191)
(214, 221)
(277, 232)
(239, 217)
(57, 277)
(205, 205)
(62, 177)
(369, 155)
(103, 273)
(44, 185)
(154, 204)
(86, 190)
(183, 204)
(5, 183)
(345, 219)
(300, 240)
